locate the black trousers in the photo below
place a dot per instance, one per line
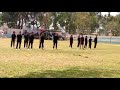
(78, 44)
(18, 43)
(71, 44)
(41, 43)
(25, 43)
(95, 45)
(55, 44)
(90, 46)
(30, 43)
(12, 43)
(85, 45)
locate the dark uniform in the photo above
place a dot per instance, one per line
(79, 41)
(55, 40)
(19, 40)
(71, 41)
(31, 39)
(95, 42)
(90, 43)
(86, 41)
(13, 37)
(41, 41)
(26, 37)
(82, 41)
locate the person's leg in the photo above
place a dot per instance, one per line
(95, 45)
(56, 45)
(71, 45)
(31, 45)
(42, 45)
(17, 45)
(53, 44)
(78, 44)
(24, 43)
(39, 44)
(11, 43)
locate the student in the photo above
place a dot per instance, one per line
(19, 40)
(82, 42)
(55, 40)
(13, 37)
(79, 44)
(26, 36)
(31, 39)
(95, 41)
(90, 42)
(85, 42)
(71, 41)
(41, 41)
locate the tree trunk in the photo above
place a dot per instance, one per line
(22, 24)
(19, 24)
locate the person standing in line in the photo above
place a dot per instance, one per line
(90, 42)
(79, 43)
(86, 40)
(82, 42)
(71, 41)
(41, 41)
(31, 39)
(55, 40)
(19, 40)
(13, 37)
(26, 36)
(95, 42)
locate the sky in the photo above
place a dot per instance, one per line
(112, 13)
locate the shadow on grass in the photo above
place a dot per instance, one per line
(71, 73)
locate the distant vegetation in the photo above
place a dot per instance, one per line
(72, 22)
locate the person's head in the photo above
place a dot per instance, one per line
(86, 36)
(13, 32)
(90, 37)
(71, 35)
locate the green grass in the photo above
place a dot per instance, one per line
(102, 62)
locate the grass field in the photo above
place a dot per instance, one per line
(102, 62)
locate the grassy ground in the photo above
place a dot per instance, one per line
(102, 62)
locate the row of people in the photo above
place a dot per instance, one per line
(83, 41)
(29, 38)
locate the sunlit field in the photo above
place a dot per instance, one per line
(102, 62)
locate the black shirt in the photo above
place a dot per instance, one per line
(13, 36)
(85, 40)
(95, 40)
(26, 37)
(90, 41)
(42, 39)
(31, 38)
(71, 39)
(55, 38)
(82, 40)
(19, 37)
(78, 39)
